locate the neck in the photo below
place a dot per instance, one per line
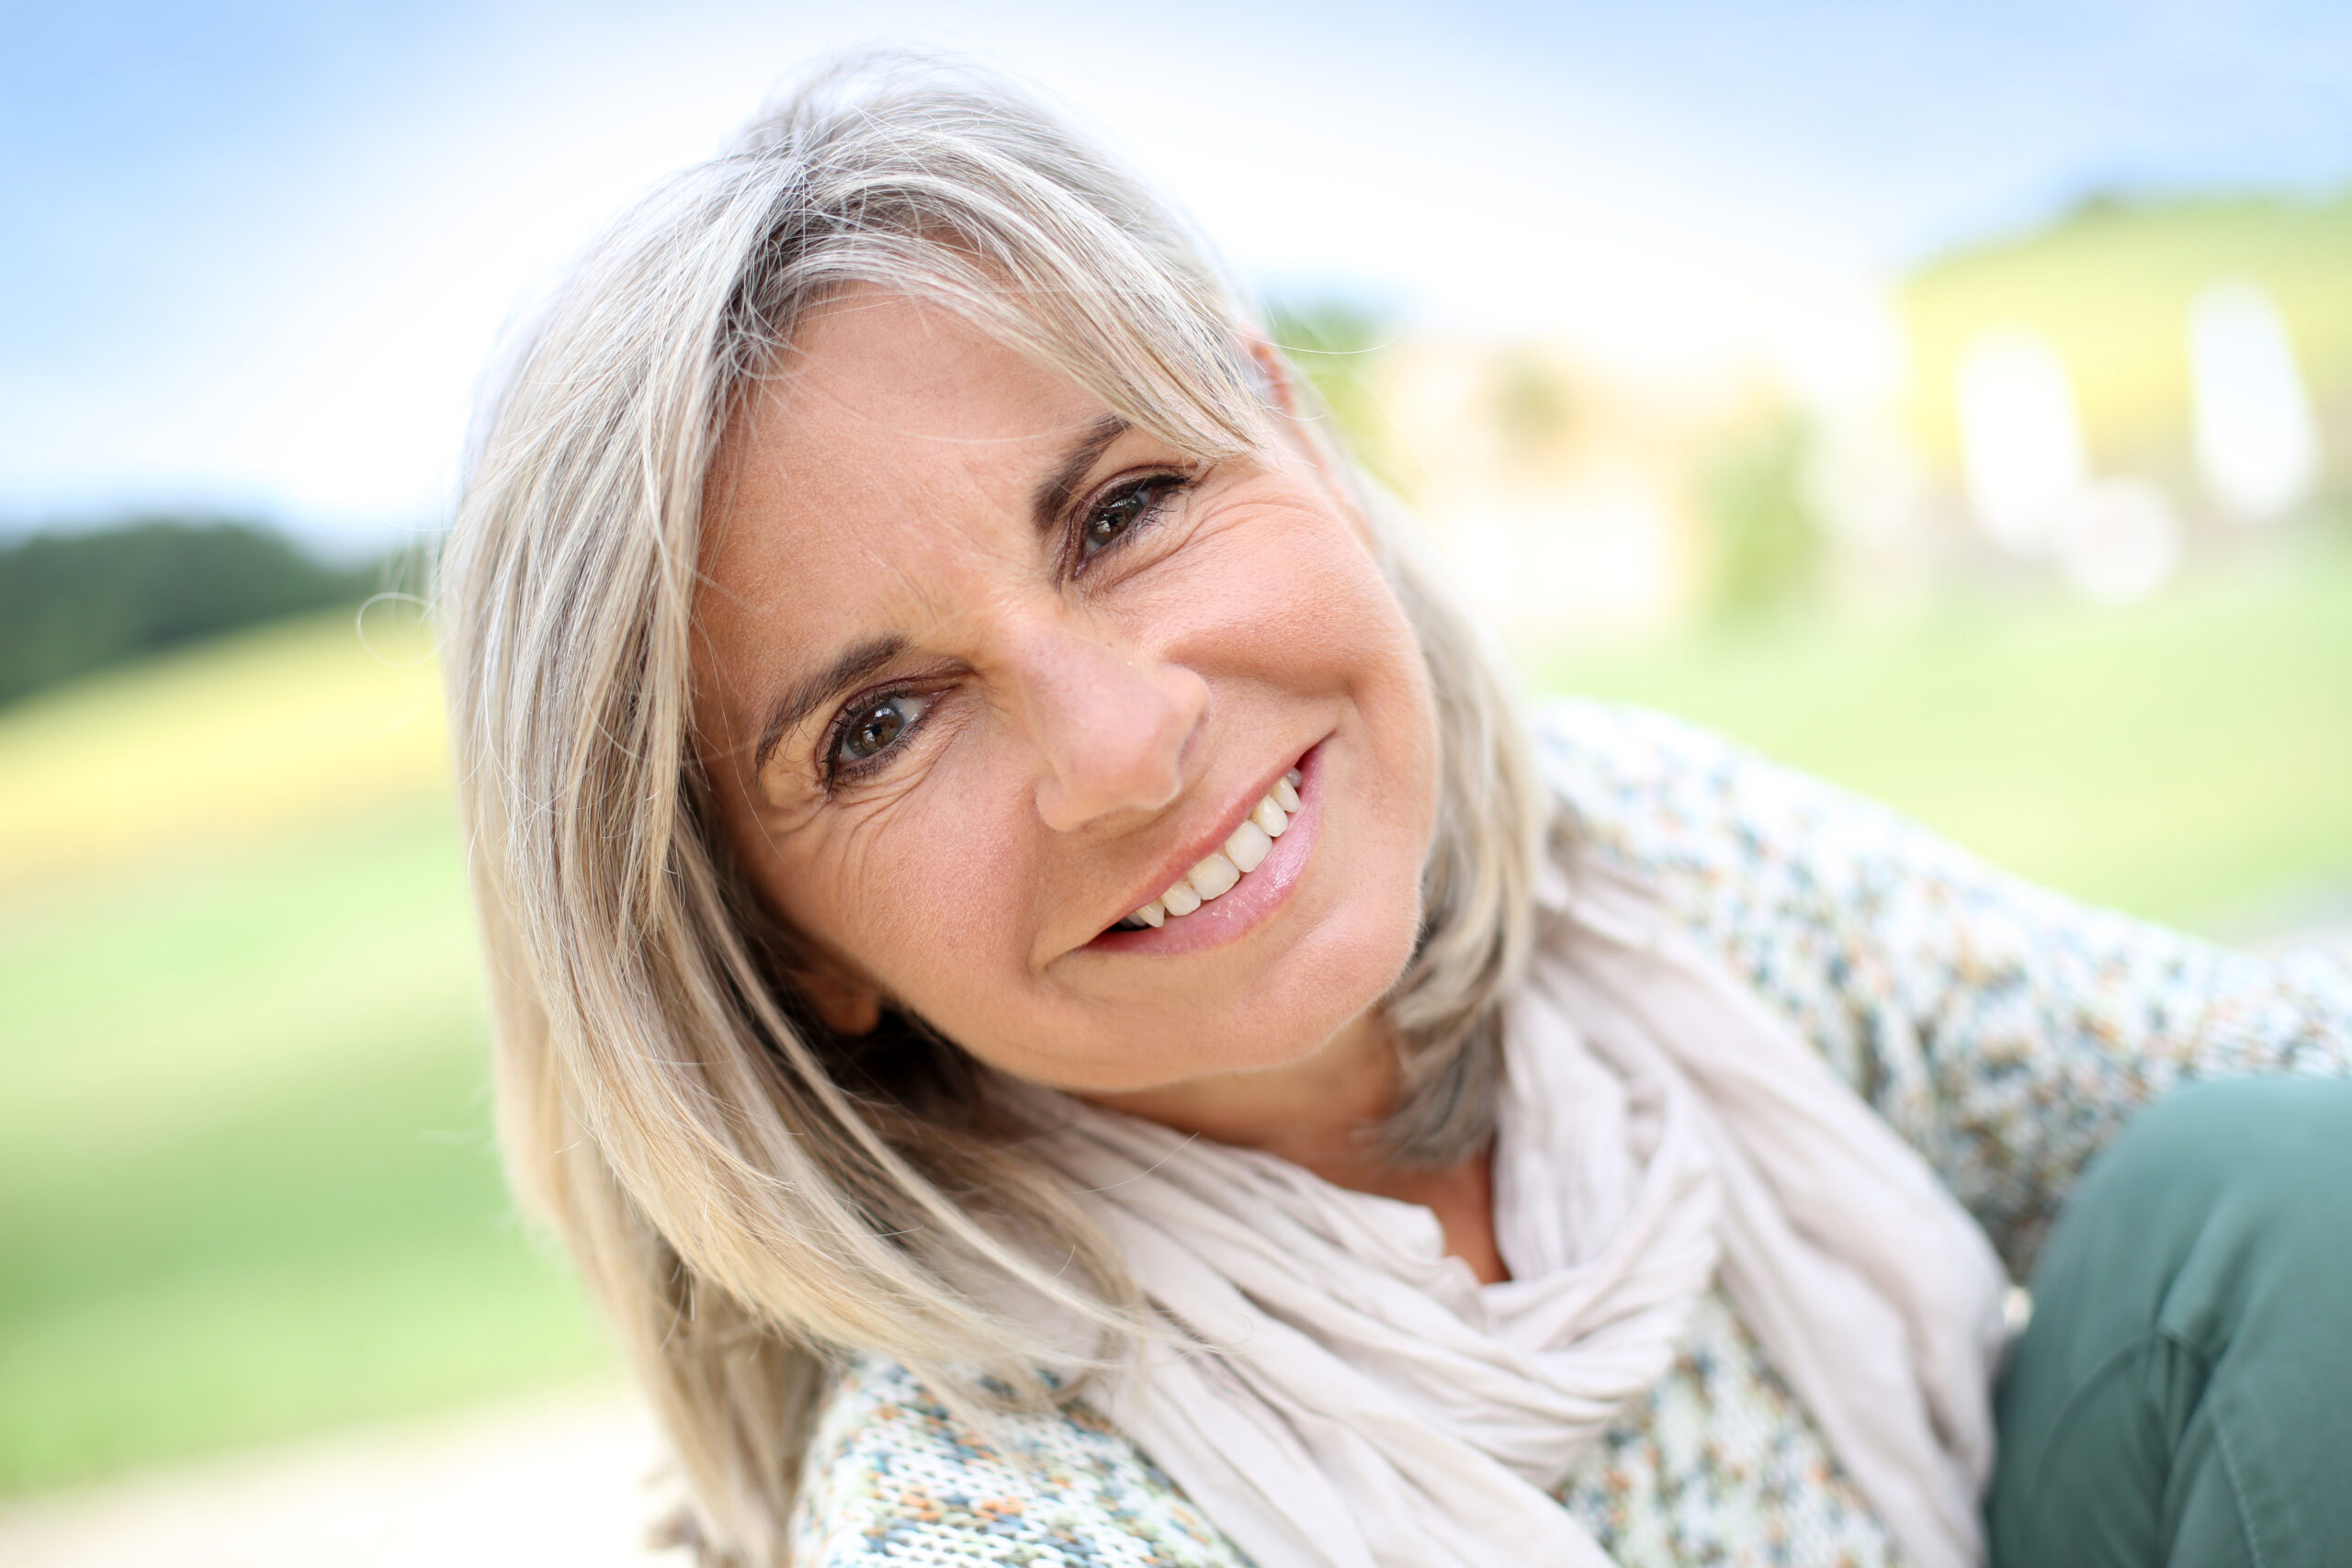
(1314, 1112)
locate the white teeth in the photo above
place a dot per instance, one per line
(1245, 851)
(1214, 877)
(1248, 846)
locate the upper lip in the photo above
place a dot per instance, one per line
(1178, 861)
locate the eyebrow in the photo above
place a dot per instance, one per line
(808, 695)
(1053, 494)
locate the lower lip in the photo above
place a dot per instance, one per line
(1257, 896)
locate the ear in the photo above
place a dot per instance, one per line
(1281, 384)
(847, 1005)
(1281, 379)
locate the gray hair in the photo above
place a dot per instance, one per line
(750, 1197)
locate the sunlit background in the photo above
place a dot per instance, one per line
(1953, 400)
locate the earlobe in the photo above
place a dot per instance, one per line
(1281, 384)
(1281, 380)
(846, 1006)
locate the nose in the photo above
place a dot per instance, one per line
(1110, 723)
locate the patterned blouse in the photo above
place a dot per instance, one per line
(2007, 1032)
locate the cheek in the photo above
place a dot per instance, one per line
(1289, 595)
(923, 892)
(1336, 619)
(1289, 613)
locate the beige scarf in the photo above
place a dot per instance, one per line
(1368, 1405)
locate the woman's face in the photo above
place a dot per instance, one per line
(982, 670)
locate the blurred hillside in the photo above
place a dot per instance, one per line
(246, 1181)
(78, 601)
(2111, 287)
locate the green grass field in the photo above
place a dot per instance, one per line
(2189, 760)
(246, 1187)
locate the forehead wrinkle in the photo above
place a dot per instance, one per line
(833, 374)
(968, 481)
(845, 378)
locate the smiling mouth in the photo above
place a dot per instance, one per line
(1224, 868)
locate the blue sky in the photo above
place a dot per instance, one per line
(256, 253)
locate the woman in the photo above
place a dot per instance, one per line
(1064, 1020)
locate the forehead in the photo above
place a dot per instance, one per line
(877, 390)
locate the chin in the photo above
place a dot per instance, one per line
(1341, 966)
(1337, 972)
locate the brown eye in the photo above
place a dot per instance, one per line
(1122, 511)
(874, 726)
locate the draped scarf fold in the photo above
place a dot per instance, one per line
(1357, 1400)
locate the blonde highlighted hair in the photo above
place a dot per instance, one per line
(748, 1197)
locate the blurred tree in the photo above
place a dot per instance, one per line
(78, 601)
(1765, 536)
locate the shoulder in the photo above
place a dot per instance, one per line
(892, 1475)
(1751, 854)
(1810, 892)
(1661, 795)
